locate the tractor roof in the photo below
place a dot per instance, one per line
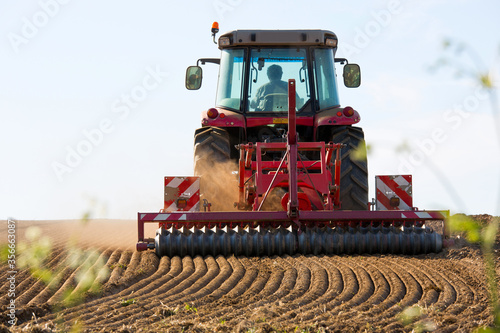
(276, 38)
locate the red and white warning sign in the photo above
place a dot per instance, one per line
(394, 192)
(182, 194)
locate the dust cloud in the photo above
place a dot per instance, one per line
(219, 185)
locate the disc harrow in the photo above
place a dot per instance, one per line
(287, 241)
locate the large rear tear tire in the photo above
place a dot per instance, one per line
(354, 168)
(212, 162)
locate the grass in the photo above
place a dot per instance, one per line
(467, 63)
(127, 302)
(478, 233)
(117, 264)
(190, 308)
(416, 317)
(485, 235)
(90, 269)
(297, 329)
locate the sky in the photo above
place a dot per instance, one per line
(94, 112)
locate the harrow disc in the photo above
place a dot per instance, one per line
(280, 241)
(370, 240)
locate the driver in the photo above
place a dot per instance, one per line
(274, 86)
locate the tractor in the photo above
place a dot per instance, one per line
(280, 138)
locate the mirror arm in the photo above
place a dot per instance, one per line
(341, 60)
(210, 60)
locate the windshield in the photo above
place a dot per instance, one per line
(229, 91)
(270, 70)
(268, 74)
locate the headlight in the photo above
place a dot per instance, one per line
(224, 41)
(331, 42)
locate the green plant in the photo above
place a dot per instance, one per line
(190, 308)
(127, 302)
(485, 236)
(416, 316)
(77, 327)
(117, 264)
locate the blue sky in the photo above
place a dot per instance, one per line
(68, 69)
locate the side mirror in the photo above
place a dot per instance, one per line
(194, 75)
(352, 75)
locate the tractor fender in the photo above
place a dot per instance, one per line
(337, 116)
(222, 118)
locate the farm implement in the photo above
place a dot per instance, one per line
(292, 154)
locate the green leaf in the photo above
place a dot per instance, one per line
(410, 314)
(487, 330)
(4, 253)
(461, 223)
(127, 302)
(43, 274)
(490, 233)
(485, 80)
(361, 152)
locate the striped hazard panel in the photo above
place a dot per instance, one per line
(394, 192)
(182, 194)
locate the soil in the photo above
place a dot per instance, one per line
(98, 283)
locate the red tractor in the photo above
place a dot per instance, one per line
(251, 104)
(279, 138)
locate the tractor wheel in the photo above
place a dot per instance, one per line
(354, 169)
(212, 162)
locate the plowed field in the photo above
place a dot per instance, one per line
(98, 283)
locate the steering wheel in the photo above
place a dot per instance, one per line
(273, 102)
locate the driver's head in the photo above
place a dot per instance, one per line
(274, 72)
